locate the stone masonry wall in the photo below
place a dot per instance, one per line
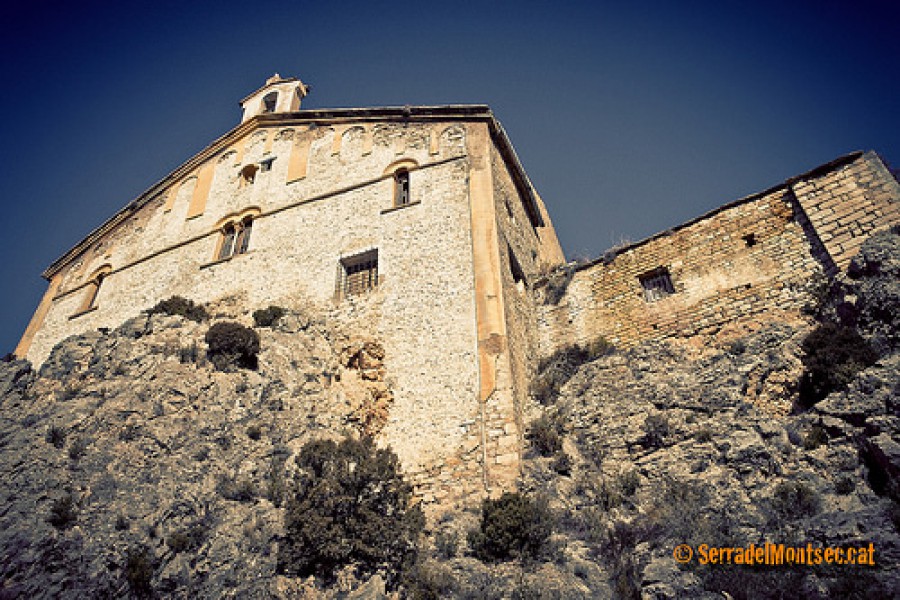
(717, 277)
(849, 202)
(422, 312)
(520, 253)
(757, 256)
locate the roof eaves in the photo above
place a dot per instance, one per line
(316, 116)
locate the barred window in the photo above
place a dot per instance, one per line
(358, 274)
(657, 284)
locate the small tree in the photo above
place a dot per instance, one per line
(349, 506)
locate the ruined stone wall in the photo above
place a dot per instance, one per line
(423, 311)
(719, 274)
(846, 203)
(757, 257)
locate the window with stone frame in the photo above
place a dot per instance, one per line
(92, 289)
(401, 187)
(235, 238)
(358, 274)
(657, 284)
(270, 101)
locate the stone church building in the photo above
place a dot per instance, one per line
(419, 225)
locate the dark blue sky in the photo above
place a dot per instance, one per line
(629, 117)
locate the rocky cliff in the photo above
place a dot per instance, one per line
(130, 465)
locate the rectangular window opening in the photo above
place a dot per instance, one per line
(359, 273)
(657, 284)
(515, 268)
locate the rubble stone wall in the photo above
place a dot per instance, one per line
(758, 256)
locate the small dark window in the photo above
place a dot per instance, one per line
(266, 165)
(248, 173)
(401, 187)
(359, 273)
(750, 239)
(243, 237)
(226, 246)
(270, 100)
(93, 289)
(657, 284)
(515, 268)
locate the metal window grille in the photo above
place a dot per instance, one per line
(360, 273)
(657, 284)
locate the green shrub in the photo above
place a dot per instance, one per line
(737, 347)
(544, 435)
(617, 551)
(56, 436)
(139, 572)
(792, 500)
(176, 305)
(266, 317)
(349, 506)
(833, 355)
(232, 345)
(512, 526)
(63, 512)
(121, 523)
(656, 428)
(629, 482)
(447, 543)
(430, 580)
(188, 354)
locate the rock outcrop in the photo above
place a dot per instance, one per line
(130, 464)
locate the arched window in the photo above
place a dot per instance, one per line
(270, 101)
(243, 237)
(235, 238)
(92, 288)
(401, 187)
(226, 245)
(248, 173)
